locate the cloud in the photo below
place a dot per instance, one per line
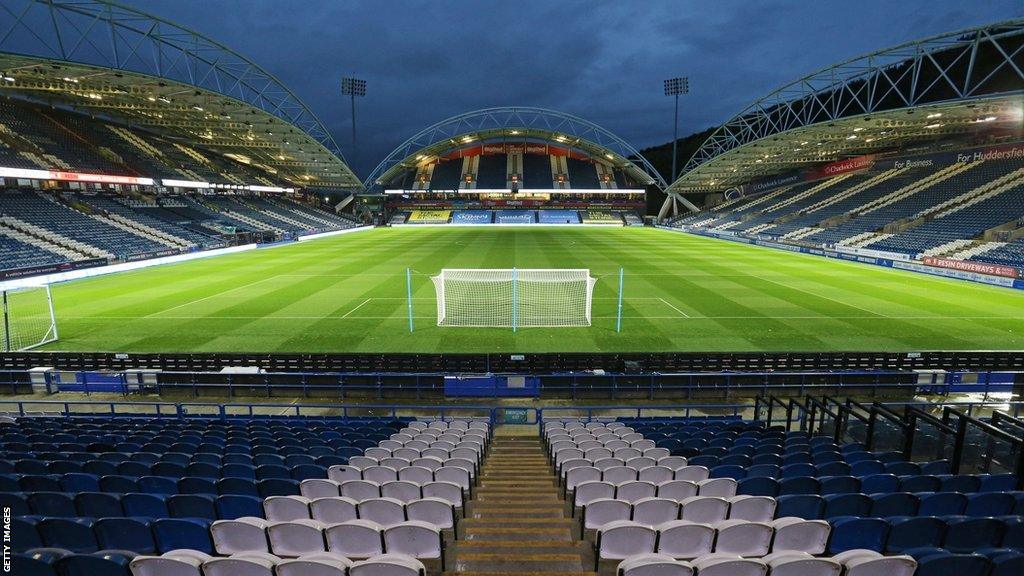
(602, 60)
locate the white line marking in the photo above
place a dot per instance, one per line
(685, 315)
(197, 300)
(808, 292)
(398, 316)
(357, 307)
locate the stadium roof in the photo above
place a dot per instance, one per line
(104, 59)
(516, 123)
(955, 85)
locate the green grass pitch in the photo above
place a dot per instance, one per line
(682, 293)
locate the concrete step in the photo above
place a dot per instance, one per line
(517, 562)
(500, 530)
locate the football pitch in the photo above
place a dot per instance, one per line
(347, 293)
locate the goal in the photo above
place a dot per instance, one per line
(27, 318)
(514, 298)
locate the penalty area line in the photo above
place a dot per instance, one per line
(685, 315)
(365, 302)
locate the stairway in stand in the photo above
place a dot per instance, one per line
(516, 521)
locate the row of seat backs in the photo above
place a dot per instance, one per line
(876, 483)
(102, 504)
(150, 485)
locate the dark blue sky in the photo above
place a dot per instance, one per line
(427, 60)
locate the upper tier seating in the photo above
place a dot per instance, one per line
(492, 172)
(923, 209)
(49, 213)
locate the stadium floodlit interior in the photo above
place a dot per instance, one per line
(518, 346)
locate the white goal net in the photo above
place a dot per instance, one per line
(514, 298)
(26, 318)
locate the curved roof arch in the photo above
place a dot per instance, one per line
(144, 67)
(518, 122)
(981, 66)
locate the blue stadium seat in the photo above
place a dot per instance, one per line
(798, 469)
(998, 483)
(766, 460)
(203, 470)
(894, 504)
(99, 468)
(990, 504)
(969, 534)
(858, 533)
(74, 534)
(16, 502)
(1008, 563)
(946, 564)
(735, 472)
(192, 506)
(178, 533)
(124, 534)
(238, 486)
(197, 485)
(278, 487)
(37, 562)
(107, 563)
(270, 471)
(837, 505)
(157, 485)
(168, 469)
(703, 460)
(867, 468)
(64, 467)
(879, 483)
(936, 467)
(808, 506)
(760, 486)
(306, 471)
(79, 482)
(118, 484)
(25, 533)
(902, 468)
(238, 471)
(838, 485)
(914, 532)
(834, 469)
(52, 504)
(9, 483)
(145, 505)
(98, 504)
(39, 483)
(230, 507)
(942, 504)
(1013, 532)
(920, 483)
(965, 483)
(133, 469)
(799, 485)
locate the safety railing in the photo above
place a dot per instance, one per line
(424, 385)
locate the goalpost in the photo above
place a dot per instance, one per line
(27, 318)
(514, 298)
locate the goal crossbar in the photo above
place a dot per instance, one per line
(514, 297)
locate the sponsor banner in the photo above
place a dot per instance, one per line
(536, 148)
(975, 267)
(873, 253)
(72, 176)
(951, 273)
(842, 167)
(766, 184)
(51, 269)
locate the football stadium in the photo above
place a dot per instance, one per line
(519, 343)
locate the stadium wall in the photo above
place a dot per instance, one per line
(873, 257)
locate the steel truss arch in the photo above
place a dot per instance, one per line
(516, 121)
(963, 66)
(107, 35)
